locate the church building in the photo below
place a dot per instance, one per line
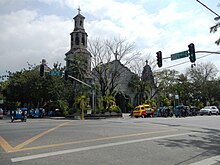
(78, 49)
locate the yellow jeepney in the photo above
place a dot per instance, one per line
(143, 110)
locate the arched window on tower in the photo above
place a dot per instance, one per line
(77, 39)
(81, 23)
(83, 40)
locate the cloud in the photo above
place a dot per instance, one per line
(29, 36)
(28, 33)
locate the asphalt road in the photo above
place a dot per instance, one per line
(120, 141)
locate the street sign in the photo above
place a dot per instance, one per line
(55, 73)
(179, 55)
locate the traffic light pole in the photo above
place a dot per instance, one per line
(197, 52)
(207, 52)
(80, 81)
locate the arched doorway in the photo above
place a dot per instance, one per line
(122, 101)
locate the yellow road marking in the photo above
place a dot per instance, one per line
(38, 136)
(8, 148)
(90, 140)
(4, 144)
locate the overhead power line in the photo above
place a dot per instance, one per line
(188, 61)
(208, 8)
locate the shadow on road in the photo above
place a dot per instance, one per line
(206, 139)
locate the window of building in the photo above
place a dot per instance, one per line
(83, 40)
(77, 39)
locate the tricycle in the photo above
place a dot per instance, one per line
(19, 114)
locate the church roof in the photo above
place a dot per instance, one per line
(79, 15)
(78, 51)
(116, 63)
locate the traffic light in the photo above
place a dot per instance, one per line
(66, 75)
(159, 58)
(192, 54)
(42, 70)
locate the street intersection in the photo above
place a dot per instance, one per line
(111, 141)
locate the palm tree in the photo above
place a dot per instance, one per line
(77, 66)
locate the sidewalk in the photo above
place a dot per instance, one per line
(126, 115)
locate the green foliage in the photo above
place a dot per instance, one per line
(199, 105)
(110, 105)
(12, 105)
(63, 105)
(72, 111)
(114, 108)
(152, 103)
(60, 105)
(129, 106)
(28, 88)
(198, 83)
(165, 101)
(214, 29)
(110, 100)
(166, 80)
(100, 108)
(141, 89)
(77, 66)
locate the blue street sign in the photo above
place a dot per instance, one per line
(55, 73)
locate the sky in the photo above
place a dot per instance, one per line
(32, 30)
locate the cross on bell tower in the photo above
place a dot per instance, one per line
(79, 10)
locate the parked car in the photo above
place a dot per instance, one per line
(1, 113)
(209, 110)
(193, 111)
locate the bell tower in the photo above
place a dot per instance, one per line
(79, 36)
(78, 44)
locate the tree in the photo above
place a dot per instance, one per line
(214, 29)
(183, 89)
(122, 50)
(166, 80)
(141, 88)
(108, 56)
(77, 66)
(202, 78)
(28, 88)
